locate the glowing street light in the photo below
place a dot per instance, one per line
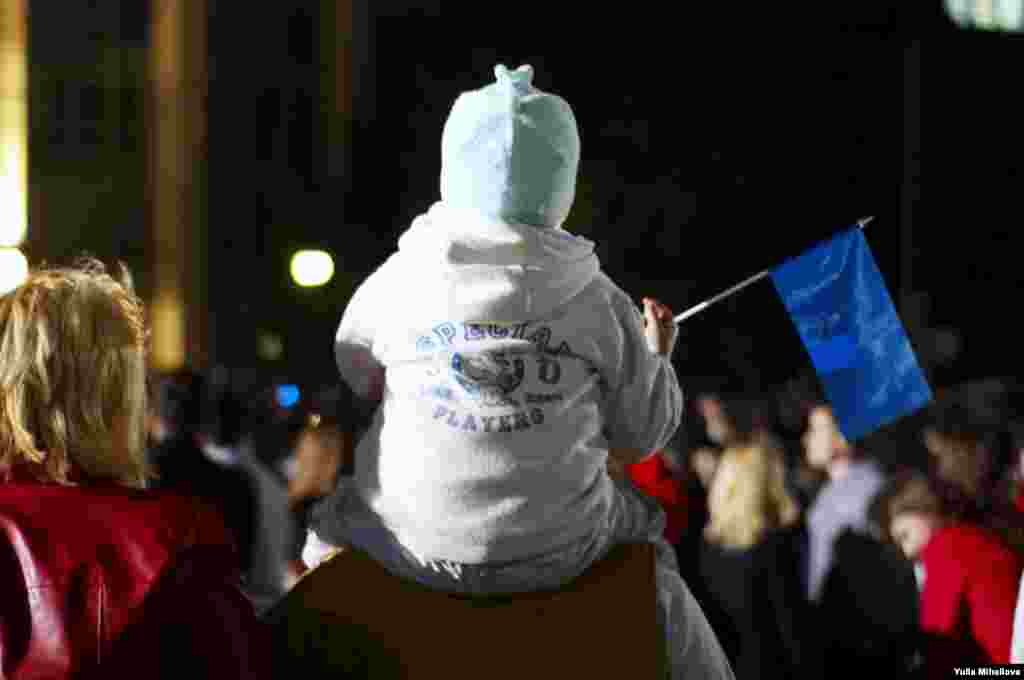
(311, 268)
(13, 269)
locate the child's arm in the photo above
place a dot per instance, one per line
(353, 344)
(645, 406)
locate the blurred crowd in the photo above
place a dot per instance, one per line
(903, 551)
(262, 460)
(898, 553)
(144, 515)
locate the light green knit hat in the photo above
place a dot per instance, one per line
(510, 151)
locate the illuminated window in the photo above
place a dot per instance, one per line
(989, 15)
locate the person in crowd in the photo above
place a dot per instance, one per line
(843, 501)
(102, 577)
(971, 451)
(661, 477)
(1016, 430)
(975, 458)
(205, 453)
(750, 566)
(323, 456)
(718, 427)
(862, 591)
(508, 368)
(723, 421)
(275, 431)
(719, 420)
(229, 439)
(729, 419)
(1017, 639)
(704, 463)
(792, 402)
(969, 577)
(179, 462)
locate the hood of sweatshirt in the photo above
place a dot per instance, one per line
(493, 271)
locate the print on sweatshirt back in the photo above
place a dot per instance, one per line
(499, 378)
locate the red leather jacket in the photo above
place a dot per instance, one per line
(105, 581)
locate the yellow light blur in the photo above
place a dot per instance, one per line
(168, 315)
(312, 268)
(270, 346)
(13, 124)
(13, 269)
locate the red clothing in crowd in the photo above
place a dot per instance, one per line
(654, 477)
(970, 589)
(106, 581)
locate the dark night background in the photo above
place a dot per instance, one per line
(790, 122)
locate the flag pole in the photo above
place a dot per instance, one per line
(698, 308)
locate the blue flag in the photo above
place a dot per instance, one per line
(837, 299)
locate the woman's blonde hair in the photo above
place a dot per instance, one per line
(73, 376)
(748, 495)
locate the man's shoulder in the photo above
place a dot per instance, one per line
(846, 500)
(865, 478)
(970, 540)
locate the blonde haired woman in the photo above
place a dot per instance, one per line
(748, 496)
(750, 565)
(101, 578)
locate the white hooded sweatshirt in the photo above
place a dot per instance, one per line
(507, 365)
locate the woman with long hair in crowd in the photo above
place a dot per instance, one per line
(968, 576)
(102, 578)
(750, 566)
(975, 457)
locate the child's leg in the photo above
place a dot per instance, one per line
(693, 648)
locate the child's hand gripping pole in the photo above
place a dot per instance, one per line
(659, 329)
